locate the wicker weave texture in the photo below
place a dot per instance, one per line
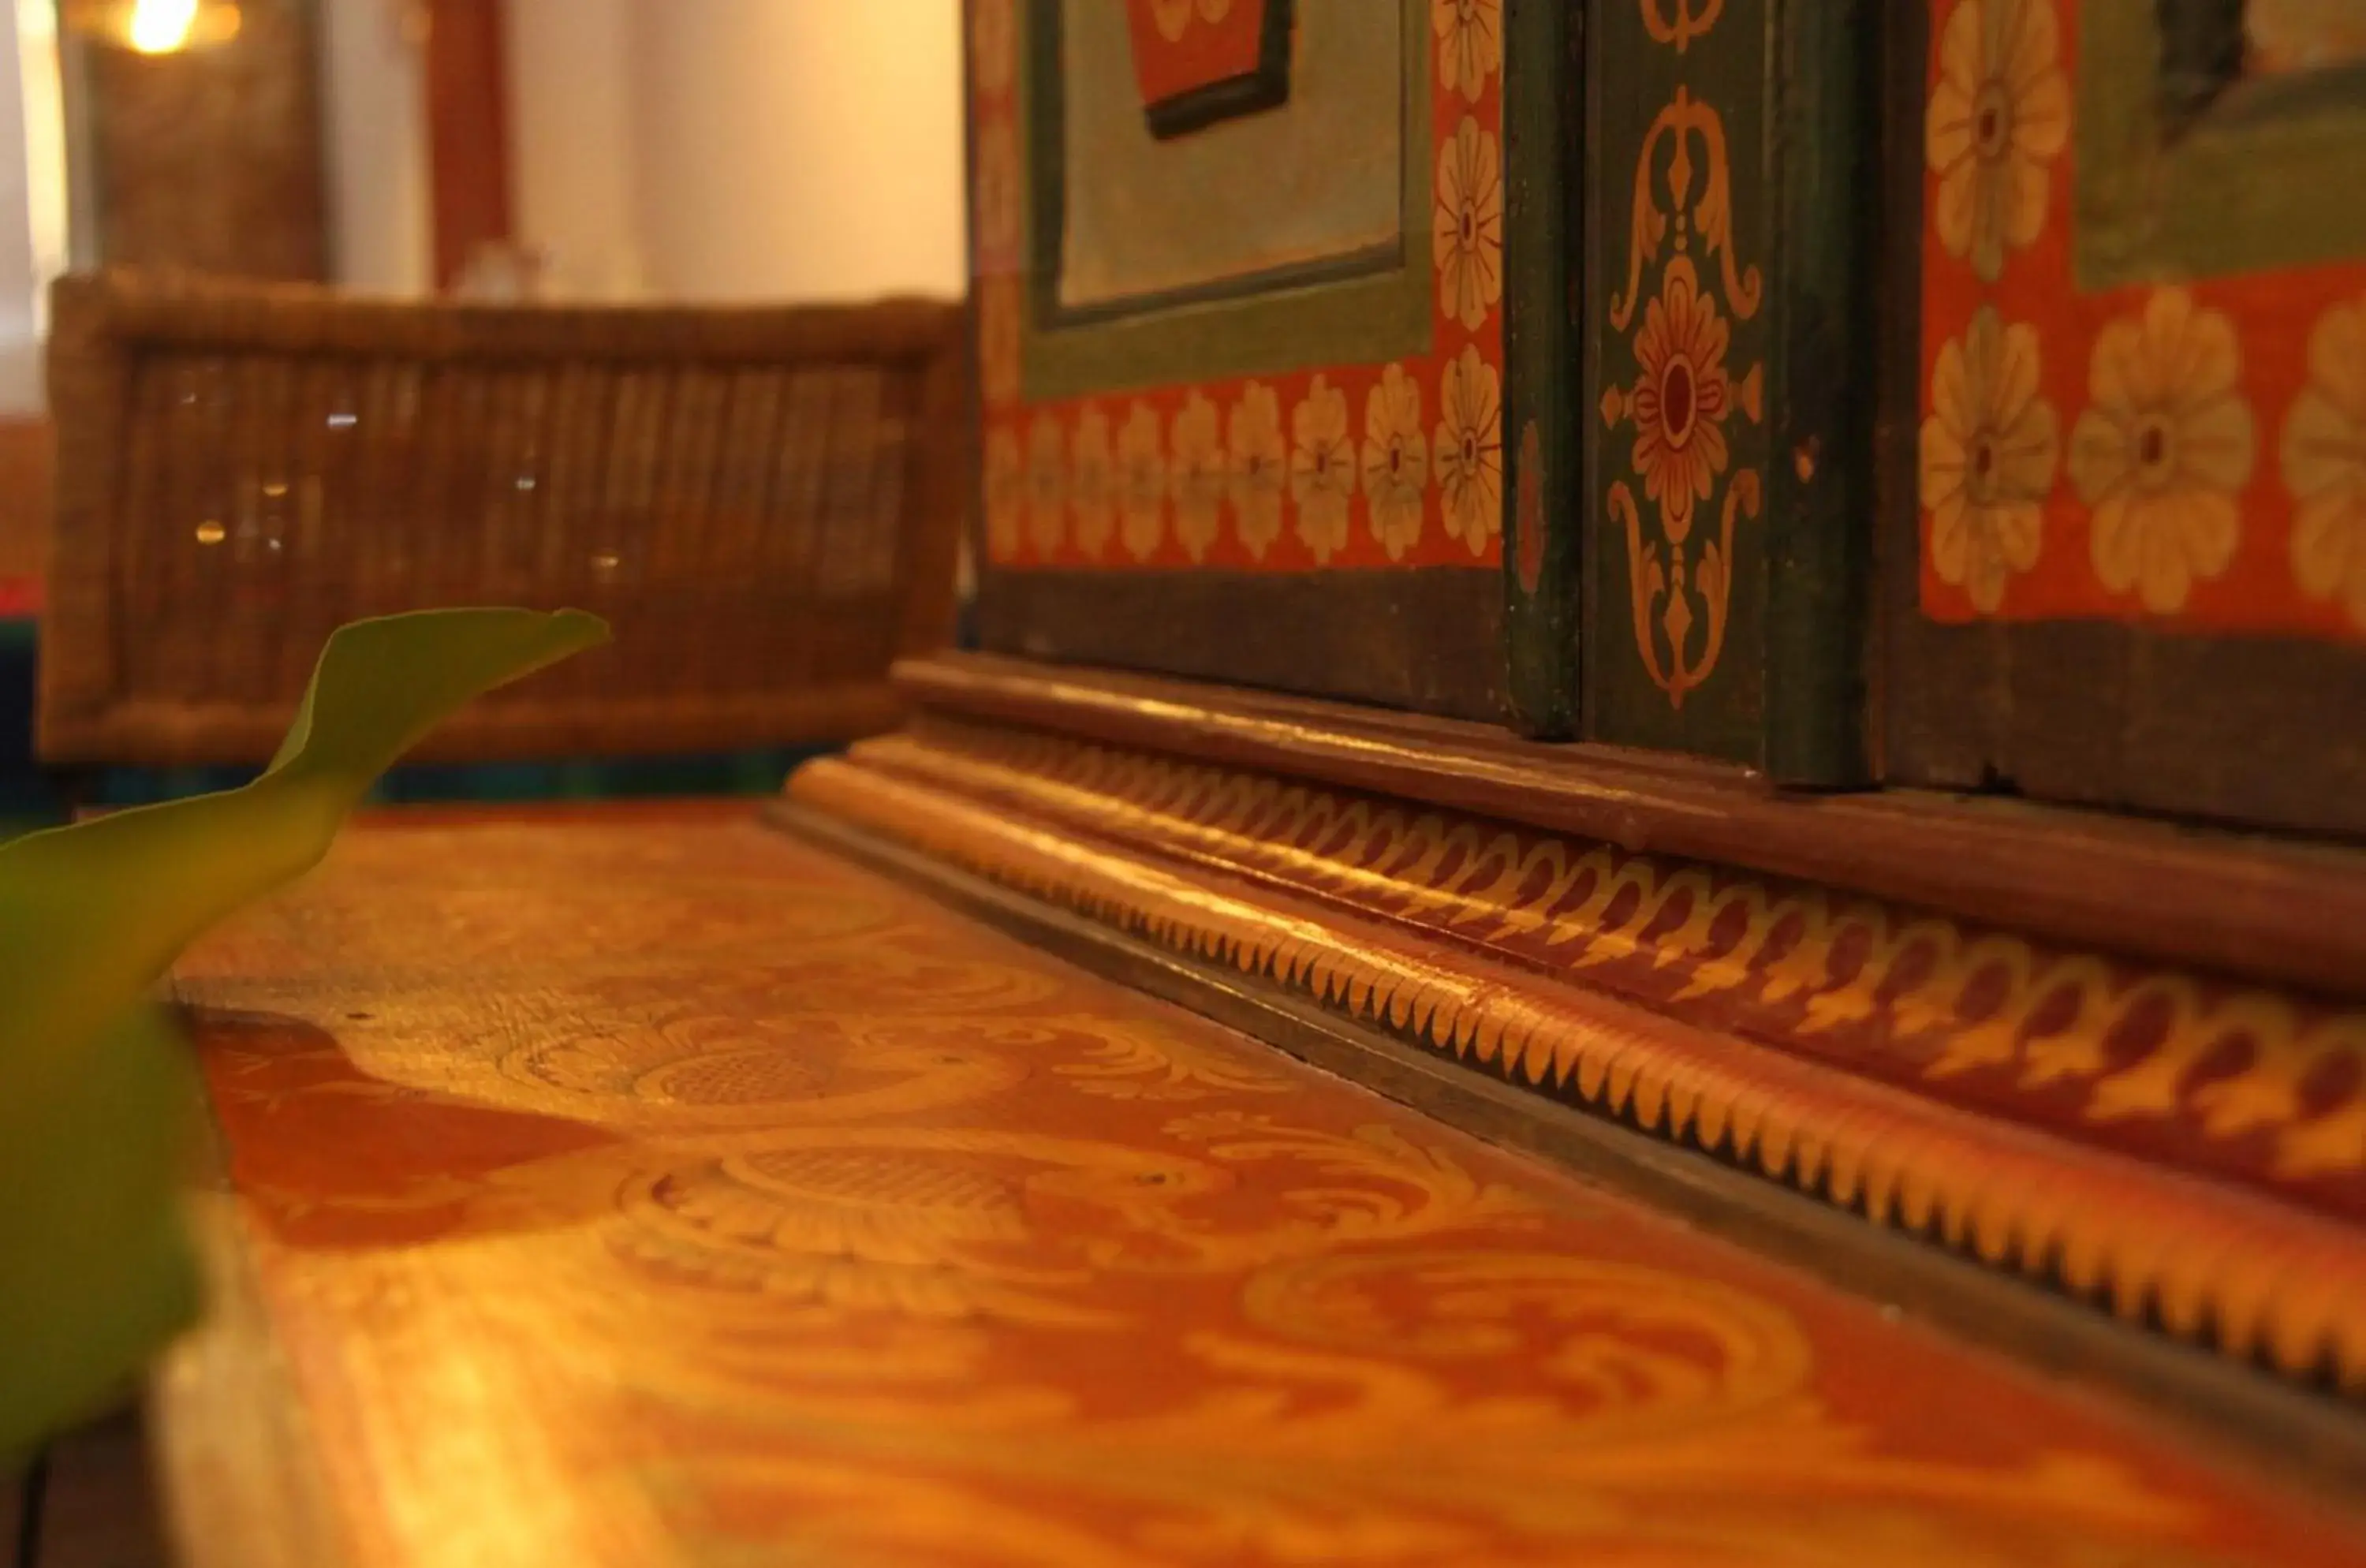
(764, 503)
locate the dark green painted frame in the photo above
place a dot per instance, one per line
(1359, 309)
(1796, 85)
(2172, 179)
(1544, 112)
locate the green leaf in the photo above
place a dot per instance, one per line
(91, 918)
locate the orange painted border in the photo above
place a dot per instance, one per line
(2273, 315)
(1030, 520)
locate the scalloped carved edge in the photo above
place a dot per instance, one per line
(2208, 1262)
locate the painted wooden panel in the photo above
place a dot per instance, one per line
(1268, 448)
(1218, 208)
(1722, 325)
(1286, 425)
(2140, 559)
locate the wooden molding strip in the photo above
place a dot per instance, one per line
(1415, 922)
(2267, 909)
(2284, 1433)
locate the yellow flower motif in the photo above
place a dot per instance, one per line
(1215, 10)
(1998, 116)
(1197, 477)
(1140, 482)
(1047, 485)
(1091, 482)
(1006, 493)
(1470, 42)
(1322, 467)
(2325, 463)
(997, 339)
(998, 192)
(1468, 243)
(1173, 17)
(1989, 450)
(1396, 461)
(1259, 467)
(993, 46)
(1470, 450)
(2163, 449)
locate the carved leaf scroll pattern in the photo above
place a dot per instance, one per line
(1685, 25)
(1683, 393)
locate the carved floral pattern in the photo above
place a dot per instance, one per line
(1468, 241)
(1270, 513)
(1140, 482)
(1470, 42)
(2325, 464)
(1989, 450)
(1998, 120)
(1047, 485)
(1092, 482)
(1197, 474)
(1396, 461)
(1322, 467)
(2163, 448)
(1684, 394)
(1259, 467)
(2154, 509)
(1470, 451)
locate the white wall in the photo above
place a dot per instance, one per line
(720, 150)
(374, 98)
(574, 169)
(31, 125)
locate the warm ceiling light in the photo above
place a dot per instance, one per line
(155, 26)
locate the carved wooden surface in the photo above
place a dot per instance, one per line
(649, 1192)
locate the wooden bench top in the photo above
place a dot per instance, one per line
(646, 1190)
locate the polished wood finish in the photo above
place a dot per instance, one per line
(765, 503)
(467, 131)
(2290, 913)
(2291, 1433)
(617, 1196)
(2185, 1155)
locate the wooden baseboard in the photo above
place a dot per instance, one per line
(2285, 1432)
(2178, 1149)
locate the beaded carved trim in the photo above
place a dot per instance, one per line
(1905, 1047)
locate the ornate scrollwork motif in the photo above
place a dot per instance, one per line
(1688, 24)
(1683, 393)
